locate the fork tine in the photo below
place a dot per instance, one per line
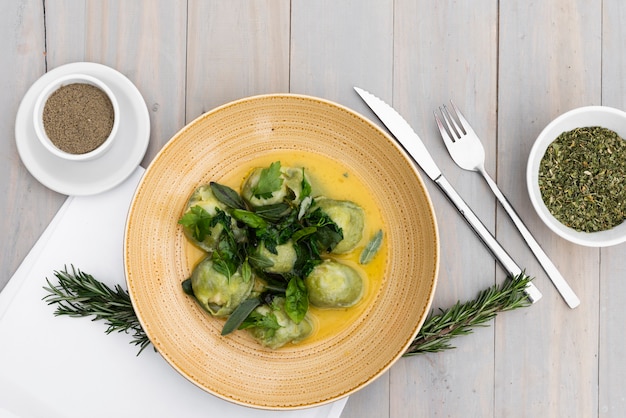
(451, 122)
(464, 123)
(447, 139)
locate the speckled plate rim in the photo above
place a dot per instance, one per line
(382, 366)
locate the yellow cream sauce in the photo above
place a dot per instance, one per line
(331, 179)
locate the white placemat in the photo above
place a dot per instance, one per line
(68, 367)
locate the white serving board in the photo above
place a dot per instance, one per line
(68, 367)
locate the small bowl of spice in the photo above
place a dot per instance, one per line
(76, 117)
(576, 176)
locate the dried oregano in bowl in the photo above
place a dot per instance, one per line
(582, 178)
(576, 176)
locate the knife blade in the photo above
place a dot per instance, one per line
(411, 142)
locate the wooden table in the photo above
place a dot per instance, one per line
(511, 66)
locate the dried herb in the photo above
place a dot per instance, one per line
(582, 179)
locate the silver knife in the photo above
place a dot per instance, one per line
(406, 136)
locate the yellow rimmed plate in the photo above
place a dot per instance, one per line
(235, 367)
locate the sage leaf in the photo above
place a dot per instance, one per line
(371, 248)
(239, 315)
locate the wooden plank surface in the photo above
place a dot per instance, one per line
(26, 205)
(612, 339)
(325, 63)
(436, 46)
(551, 52)
(144, 41)
(510, 66)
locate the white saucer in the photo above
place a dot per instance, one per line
(81, 178)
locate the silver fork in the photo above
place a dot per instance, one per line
(468, 153)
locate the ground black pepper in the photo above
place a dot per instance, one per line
(78, 118)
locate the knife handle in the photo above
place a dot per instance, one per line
(509, 265)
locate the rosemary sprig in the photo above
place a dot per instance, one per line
(438, 330)
(79, 294)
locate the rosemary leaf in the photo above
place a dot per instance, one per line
(461, 318)
(78, 294)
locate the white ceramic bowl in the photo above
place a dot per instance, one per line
(603, 116)
(41, 102)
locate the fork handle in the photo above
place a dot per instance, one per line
(553, 273)
(483, 233)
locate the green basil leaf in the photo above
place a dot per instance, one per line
(227, 196)
(241, 312)
(296, 299)
(249, 218)
(326, 239)
(306, 186)
(187, 287)
(222, 267)
(246, 271)
(273, 213)
(259, 261)
(304, 232)
(269, 323)
(371, 248)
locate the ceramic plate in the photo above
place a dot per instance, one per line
(82, 178)
(236, 367)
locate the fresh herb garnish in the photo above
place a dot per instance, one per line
(79, 294)
(371, 248)
(582, 179)
(326, 235)
(227, 196)
(251, 219)
(241, 312)
(275, 212)
(250, 235)
(460, 319)
(268, 323)
(296, 299)
(306, 187)
(269, 181)
(198, 220)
